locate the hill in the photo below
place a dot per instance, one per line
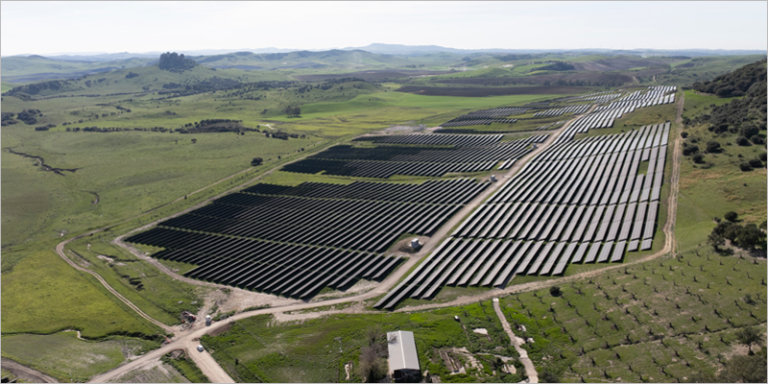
(328, 60)
(142, 80)
(35, 68)
(736, 83)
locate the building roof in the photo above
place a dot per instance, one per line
(402, 351)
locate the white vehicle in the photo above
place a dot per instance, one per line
(200, 348)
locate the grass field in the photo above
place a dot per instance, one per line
(45, 295)
(308, 351)
(68, 359)
(187, 368)
(711, 189)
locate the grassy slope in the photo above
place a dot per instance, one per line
(152, 77)
(706, 68)
(23, 65)
(44, 295)
(66, 358)
(708, 191)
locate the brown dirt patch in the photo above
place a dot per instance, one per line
(220, 330)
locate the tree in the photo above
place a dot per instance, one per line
(741, 140)
(257, 161)
(731, 216)
(749, 336)
(747, 369)
(716, 241)
(698, 158)
(555, 291)
(748, 130)
(690, 150)
(749, 236)
(683, 134)
(732, 232)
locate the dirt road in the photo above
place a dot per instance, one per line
(26, 373)
(530, 370)
(207, 364)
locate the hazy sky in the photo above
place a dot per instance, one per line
(56, 27)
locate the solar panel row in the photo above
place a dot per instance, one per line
(385, 161)
(296, 244)
(575, 202)
(454, 191)
(430, 139)
(287, 269)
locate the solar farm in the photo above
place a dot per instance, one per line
(294, 241)
(435, 155)
(576, 201)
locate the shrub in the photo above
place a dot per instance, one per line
(713, 146)
(756, 163)
(690, 150)
(741, 140)
(698, 158)
(555, 291)
(745, 167)
(731, 216)
(764, 156)
(684, 134)
(748, 130)
(756, 139)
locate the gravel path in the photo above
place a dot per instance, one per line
(530, 370)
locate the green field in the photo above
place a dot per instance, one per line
(68, 359)
(308, 351)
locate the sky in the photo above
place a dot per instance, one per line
(29, 27)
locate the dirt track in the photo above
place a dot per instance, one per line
(25, 373)
(530, 370)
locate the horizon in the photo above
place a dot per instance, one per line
(553, 50)
(150, 27)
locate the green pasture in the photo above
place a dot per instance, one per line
(68, 359)
(309, 351)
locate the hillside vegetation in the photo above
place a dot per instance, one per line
(736, 83)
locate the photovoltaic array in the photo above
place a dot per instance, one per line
(467, 153)
(485, 117)
(576, 202)
(294, 241)
(573, 109)
(604, 116)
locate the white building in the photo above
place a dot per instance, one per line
(403, 358)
